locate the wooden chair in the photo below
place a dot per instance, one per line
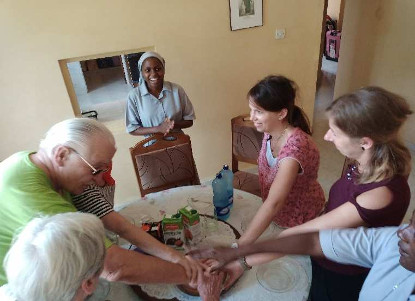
(163, 162)
(131, 72)
(246, 144)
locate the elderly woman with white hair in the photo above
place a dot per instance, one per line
(58, 257)
(156, 105)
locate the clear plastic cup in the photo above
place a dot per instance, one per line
(207, 213)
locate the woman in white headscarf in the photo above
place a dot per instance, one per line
(156, 105)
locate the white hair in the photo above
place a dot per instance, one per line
(53, 255)
(75, 133)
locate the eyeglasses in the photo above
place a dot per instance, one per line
(94, 170)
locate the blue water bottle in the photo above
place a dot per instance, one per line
(220, 198)
(227, 175)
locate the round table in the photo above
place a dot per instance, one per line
(155, 205)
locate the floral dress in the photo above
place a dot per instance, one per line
(306, 198)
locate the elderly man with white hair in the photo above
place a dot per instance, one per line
(73, 155)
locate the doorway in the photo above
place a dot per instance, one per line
(331, 161)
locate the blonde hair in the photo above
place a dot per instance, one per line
(378, 114)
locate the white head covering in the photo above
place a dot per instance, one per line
(145, 56)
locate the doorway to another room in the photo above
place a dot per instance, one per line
(331, 161)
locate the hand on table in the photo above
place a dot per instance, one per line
(194, 269)
(234, 271)
(210, 285)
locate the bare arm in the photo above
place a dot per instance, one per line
(134, 268)
(115, 222)
(162, 128)
(307, 244)
(279, 191)
(145, 131)
(344, 216)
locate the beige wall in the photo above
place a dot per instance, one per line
(377, 48)
(214, 65)
(333, 9)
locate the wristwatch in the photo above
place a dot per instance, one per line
(244, 264)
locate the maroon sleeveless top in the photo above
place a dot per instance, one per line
(345, 190)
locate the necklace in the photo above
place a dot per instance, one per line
(282, 134)
(277, 139)
(351, 173)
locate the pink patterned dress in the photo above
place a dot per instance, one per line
(306, 199)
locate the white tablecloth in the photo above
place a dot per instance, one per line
(155, 205)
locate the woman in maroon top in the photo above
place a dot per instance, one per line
(374, 191)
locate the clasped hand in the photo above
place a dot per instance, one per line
(166, 126)
(210, 284)
(220, 258)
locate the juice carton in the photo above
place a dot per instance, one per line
(192, 226)
(154, 229)
(173, 231)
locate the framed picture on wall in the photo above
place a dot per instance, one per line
(245, 13)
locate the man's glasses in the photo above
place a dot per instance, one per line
(94, 170)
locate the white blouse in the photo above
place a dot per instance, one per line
(270, 158)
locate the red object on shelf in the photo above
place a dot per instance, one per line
(333, 38)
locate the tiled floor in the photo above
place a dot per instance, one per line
(107, 93)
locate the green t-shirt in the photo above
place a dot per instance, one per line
(25, 192)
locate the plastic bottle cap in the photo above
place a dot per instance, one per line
(225, 167)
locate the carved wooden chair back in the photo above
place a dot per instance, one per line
(246, 144)
(163, 162)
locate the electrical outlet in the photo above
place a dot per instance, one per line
(280, 34)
